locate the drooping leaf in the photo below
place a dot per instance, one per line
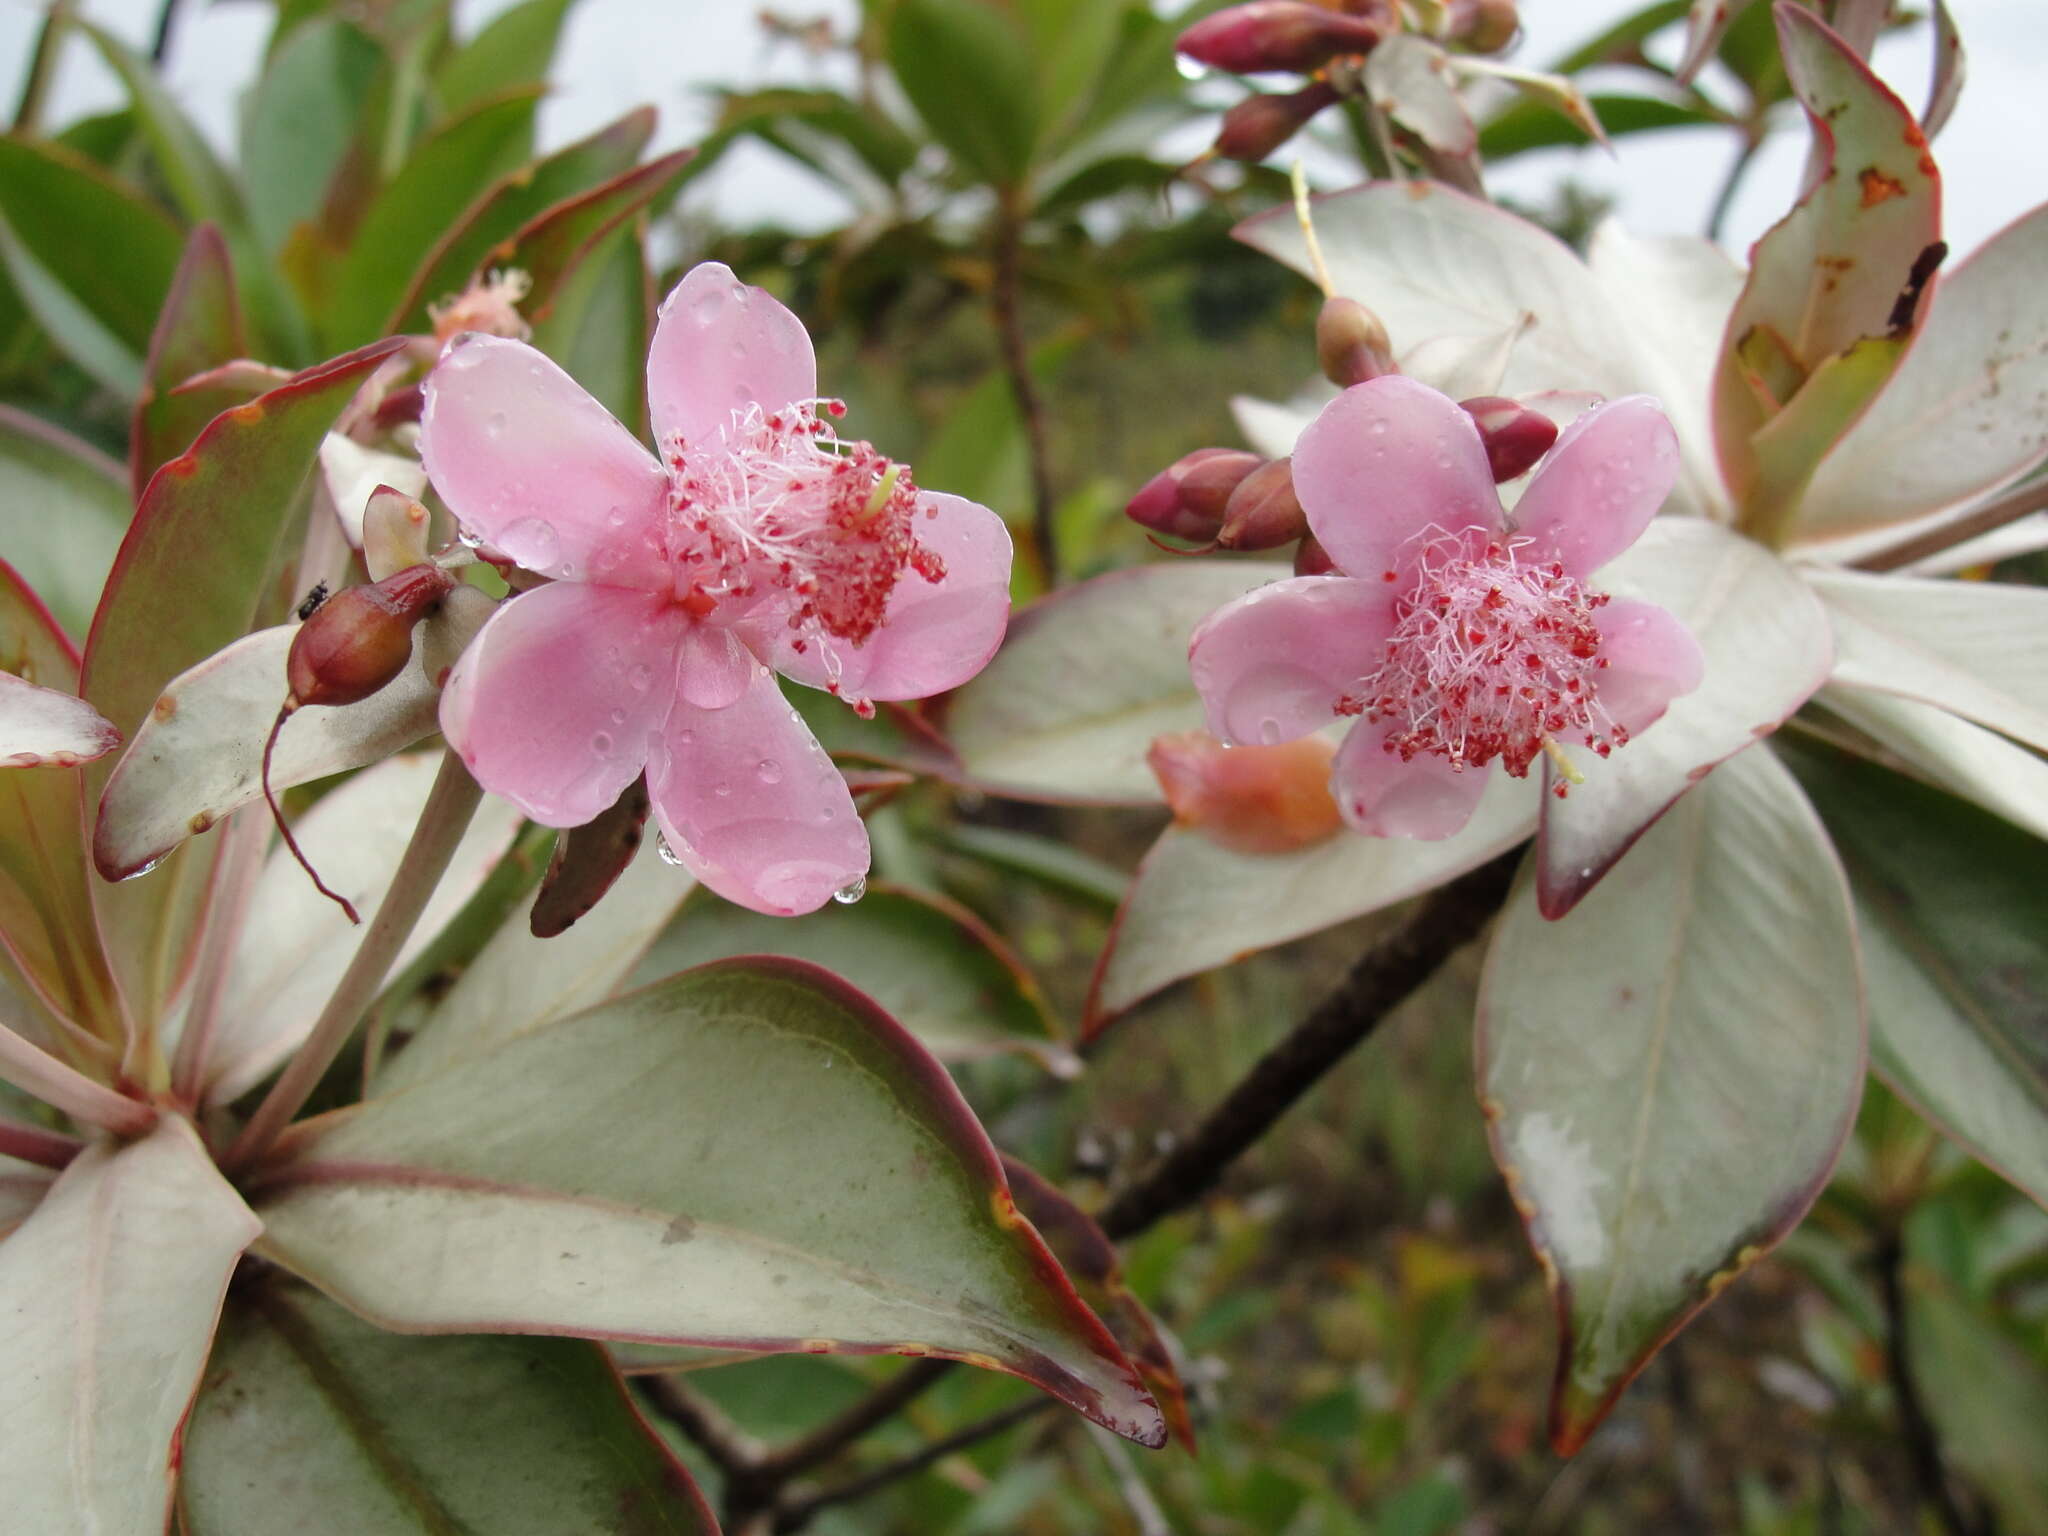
(296, 942)
(311, 1417)
(1831, 272)
(1767, 648)
(1977, 764)
(1945, 87)
(938, 970)
(62, 512)
(1669, 1072)
(966, 66)
(1087, 678)
(515, 48)
(93, 1394)
(521, 197)
(199, 331)
(703, 1162)
(1194, 906)
(303, 114)
(1946, 429)
(1954, 923)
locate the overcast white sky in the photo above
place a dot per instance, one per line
(622, 52)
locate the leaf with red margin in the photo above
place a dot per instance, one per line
(550, 1440)
(200, 567)
(199, 329)
(46, 921)
(1669, 1072)
(750, 1156)
(1832, 271)
(1098, 1273)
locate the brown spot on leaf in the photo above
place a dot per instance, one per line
(202, 821)
(1878, 187)
(247, 415)
(681, 1230)
(165, 706)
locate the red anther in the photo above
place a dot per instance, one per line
(1263, 512)
(1515, 436)
(1258, 125)
(1352, 345)
(1276, 35)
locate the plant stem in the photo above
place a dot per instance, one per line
(166, 24)
(829, 1438)
(2009, 508)
(443, 819)
(1009, 242)
(731, 1450)
(42, 64)
(1724, 200)
(239, 865)
(35, 1071)
(1923, 1444)
(33, 1144)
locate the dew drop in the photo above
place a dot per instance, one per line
(668, 855)
(1190, 69)
(684, 738)
(640, 677)
(496, 423)
(722, 790)
(769, 771)
(618, 717)
(616, 517)
(852, 891)
(1269, 731)
(601, 744)
(1379, 428)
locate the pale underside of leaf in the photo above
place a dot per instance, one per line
(40, 727)
(1669, 1071)
(1977, 764)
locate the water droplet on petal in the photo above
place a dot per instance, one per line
(495, 423)
(618, 717)
(684, 738)
(640, 677)
(721, 790)
(852, 891)
(769, 770)
(601, 744)
(1269, 731)
(668, 855)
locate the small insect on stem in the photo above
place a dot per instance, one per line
(310, 603)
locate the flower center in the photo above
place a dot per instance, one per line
(1490, 657)
(778, 510)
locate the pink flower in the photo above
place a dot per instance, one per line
(758, 540)
(1459, 636)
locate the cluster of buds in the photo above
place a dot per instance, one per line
(1324, 41)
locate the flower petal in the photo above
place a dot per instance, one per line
(1603, 482)
(533, 466)
(750, 803)
(1651, 660)
(713, 666)
(1272, 665)
(1382, 796)
(935, 634)
(555, 703)
(719, 346)
(1388, 460)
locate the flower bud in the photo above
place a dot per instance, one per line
(360, 639)
(1248, 799)
(1515, 436)
(1351, 343)
(394, 532)
(1311, 559)
(1258, 125)
(1268, 35)
(1263, 512)
(1186, 499)
(1484, 26)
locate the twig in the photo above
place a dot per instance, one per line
(833, 1436)
(732, 1450)
(1009, 239)
(795, 1516)
(1724, 200)
(1445, 920)
(35, 1071)
(443, 819)
(42, 64)
(2009, 508)
(166, 24)
(1923, 1444)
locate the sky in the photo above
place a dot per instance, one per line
(619, 53)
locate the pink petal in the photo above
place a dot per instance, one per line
(555, 703)
(750, 803)
(1380, 795)
(1272, 665)
(1386, 461)
(1603, 482)
(935, 635)
(534, 467)
(713, 667)
(40, 726)
(1651, 660)
(720, 346)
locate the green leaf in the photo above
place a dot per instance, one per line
(112, 1288)
(710, 1161)
(200, 568)
(447, 171)
(1051, 718)
(805, 124)
(935, 967)
(522, 197)
(303, 115)
(1047, 861)
(200, 329)
(966, 66)
(63, 509)
(1668, 1073)
(59, 217)
(1529, 124)
(1830, 273)
(312, 1419)
(516, 48)
(1987, 1394)
(1955, 934)
(599, 323)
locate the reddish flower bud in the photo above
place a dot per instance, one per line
(1186, 499)
(1351, 343)
(360, 639)
(1263, 512)
(1258, 125)
(1248, 799)
(1268, 35)
(1515, 436)
(1484, 26)
(1311, 559)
